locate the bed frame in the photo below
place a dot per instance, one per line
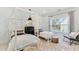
(43, 38)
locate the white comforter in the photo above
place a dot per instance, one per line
(22, 41)
(46, 34)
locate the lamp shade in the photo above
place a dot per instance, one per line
(29, 18)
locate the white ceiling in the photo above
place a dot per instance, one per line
(45, 10)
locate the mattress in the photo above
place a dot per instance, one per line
(46, 34)
(22, 41)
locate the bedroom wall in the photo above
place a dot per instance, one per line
(4, 14)
(71, 14)
(19, 20)
(76, 20)
(40, 22)
(44, 23)
(21, 23)
(36, 21)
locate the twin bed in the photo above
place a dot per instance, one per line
(46, 35)
(21, 41)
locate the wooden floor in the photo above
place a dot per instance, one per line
(3, 47)
(48, 46)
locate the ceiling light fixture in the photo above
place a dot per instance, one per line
(29, 15)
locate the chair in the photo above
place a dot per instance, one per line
(72, 39)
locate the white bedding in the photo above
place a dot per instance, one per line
(22, 41)
(46, 34)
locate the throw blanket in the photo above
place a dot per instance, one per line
(22, 41)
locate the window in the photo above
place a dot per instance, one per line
(60, 24)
